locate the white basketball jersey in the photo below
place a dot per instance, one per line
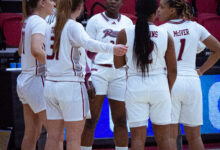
(32, 25)
(68, 64)
(105, 29)
(159, 36)
(186, 36)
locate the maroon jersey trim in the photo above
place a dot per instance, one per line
(71, 57)
(102, 14)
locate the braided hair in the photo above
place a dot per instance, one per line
(143, 45)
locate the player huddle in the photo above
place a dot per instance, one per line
(146, 71)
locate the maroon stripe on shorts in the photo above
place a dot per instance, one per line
(82, 99)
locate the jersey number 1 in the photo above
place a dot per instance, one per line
(182, 41)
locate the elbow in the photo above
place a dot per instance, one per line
(215, 54)
(35, 51)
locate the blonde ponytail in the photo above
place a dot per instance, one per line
(65, 8)
(24, 9)
(63, 14)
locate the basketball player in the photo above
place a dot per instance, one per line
(65, 91)
(30, 81)
(150, 54)
(106, 79)
(186, 93)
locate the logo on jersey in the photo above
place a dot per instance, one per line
(110, 32)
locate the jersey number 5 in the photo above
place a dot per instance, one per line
(182, 41)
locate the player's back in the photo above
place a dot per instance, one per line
(29, 63)
(186, 36)
(157, 64)
(64, 65)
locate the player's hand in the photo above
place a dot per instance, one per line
(199, 72)
(120, 50)
(91, 91)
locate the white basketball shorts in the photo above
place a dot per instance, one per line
(187, 101)
(30, 91)
(148, 97)
(66, 101)
(109, 81)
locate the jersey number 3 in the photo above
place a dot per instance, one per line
(52, 56)
(182, 42)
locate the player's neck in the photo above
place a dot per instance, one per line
(39, 13)
(175, 17)
(74, 16)
(112, 15)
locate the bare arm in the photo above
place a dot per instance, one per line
(37, 47)
(213, 44)
(119, 61)
(170, 58)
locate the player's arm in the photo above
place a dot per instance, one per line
(119, 61)
(170, 58)
(19, 48)
(213, 44)
(92, 32)
(37, 47)
(79, 36)
(91, 28)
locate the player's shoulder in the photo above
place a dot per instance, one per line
(35, 21)
(160, 28)
(130, 28)
(95, 18)
(73, 25)
(36, 18)
(165, 25)
(193, 23)
(73, 22)
(124, 17)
